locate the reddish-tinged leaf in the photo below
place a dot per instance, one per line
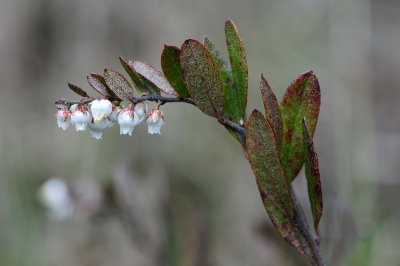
(237, 56)
(133, 75)
(78, 90)
(171, 66)
(153, 76)
(97, 85)
(202, 77)
(313, 178)
(272, 111)
(264, 159)
(232, 108)
(118, 84)
(302, 99)
(103, 86)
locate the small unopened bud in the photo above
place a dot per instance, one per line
(155, 121)
(100, 109)
(80, 118)
(63, 119)
(127, 120)
(141, 110)
(73, 108)
(96, 129)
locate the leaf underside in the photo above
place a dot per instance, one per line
(78, 90)
(272, 111)
(133, 75)
(97, 85)
(313, 178)
(153, 77)
(171, 66)
(202, 78)
(118, 84)
(302, 99)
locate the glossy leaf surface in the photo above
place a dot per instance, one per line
(78, 90)
(237, 56)
(171, 66)
(118, 84)
(302, 99)
(313, 178)
(202, 77)
(272, 111)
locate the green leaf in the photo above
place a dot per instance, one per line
(231, 109)
(78, 90)
(264, 159)
(152, 77)
(118, 84)
(313, 177)
(302, 99)
(171, 66)
(263, 156)
(272, 111)
(100, 78)
(237, 95)
(134, 76)
(202, 78)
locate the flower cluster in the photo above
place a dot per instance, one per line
(103, 114)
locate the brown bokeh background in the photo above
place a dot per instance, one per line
(188, 197)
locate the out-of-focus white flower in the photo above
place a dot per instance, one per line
(141, 110)
(63, 118)
(55, 196)
(113, 118)
(127, 120)
(96, 129)
(80, 118)
(73, 108)
(100, 109)
(155, 121)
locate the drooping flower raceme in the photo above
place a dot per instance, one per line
(100, 109)
(155, 121)
(127, 120)
(96, 129)
(141, 110)
(80, 118)
(63, 118)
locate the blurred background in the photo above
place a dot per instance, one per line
(189, 197)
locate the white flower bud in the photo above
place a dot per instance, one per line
(114, 114)
(96, 129)
(141, 110)
(63, 118)
(155, 121)
(100, 109)
(80, 118)
(127, 120)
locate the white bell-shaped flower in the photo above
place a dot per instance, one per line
(113, 118)
(96, 129)
(127, 120)
(100, 109)
(80, 118)
(141, 110)
(155, 121)
(63, 118)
